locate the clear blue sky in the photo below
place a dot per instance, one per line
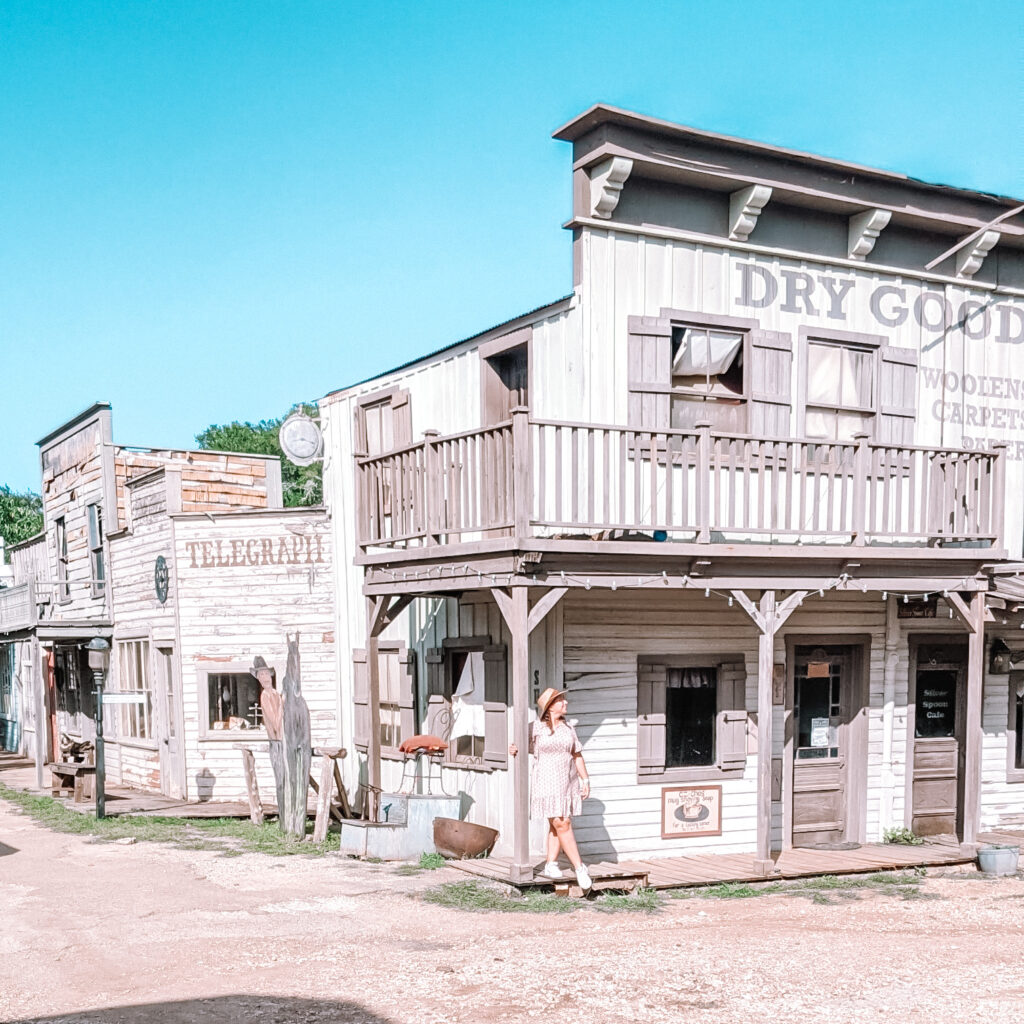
(211, 210)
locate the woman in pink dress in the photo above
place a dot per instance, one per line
(559, 782)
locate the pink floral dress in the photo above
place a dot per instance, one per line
(554, 783)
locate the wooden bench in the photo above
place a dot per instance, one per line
(71, 777)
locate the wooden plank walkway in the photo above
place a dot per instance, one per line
(714, 868)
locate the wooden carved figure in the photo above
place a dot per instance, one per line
(273, 721)
(296, 746)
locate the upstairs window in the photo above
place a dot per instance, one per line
(840, 391)
(383, 422)
(708, 380)
(61, 537)
(96, 561)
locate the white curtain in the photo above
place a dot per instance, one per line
(706, 353)
(468, 699)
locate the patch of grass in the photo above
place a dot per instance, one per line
(229, 836)
(431, 861)
(901, 836)
(477, 897)
(643, 901)
(823, 889)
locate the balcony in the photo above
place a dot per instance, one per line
(540, 479)
(17, 608)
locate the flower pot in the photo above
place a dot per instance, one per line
(998, 859)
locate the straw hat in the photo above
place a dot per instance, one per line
(547, 698)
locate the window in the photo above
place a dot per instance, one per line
(61, 535)
(467, 700)
(234, 700)
(133, 676)
(840, 391)
(691, 719)
(708, 378)
(7, 662)
(397, 694)
(383, 422)
(691, 367)
(98, 567)
(505, 375)
(1015, 729)
(73, 681)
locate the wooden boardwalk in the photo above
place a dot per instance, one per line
(711, 869)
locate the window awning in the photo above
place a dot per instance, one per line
(706, 352)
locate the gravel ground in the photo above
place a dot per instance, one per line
(104, 932)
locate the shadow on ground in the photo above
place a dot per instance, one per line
(250, 1009)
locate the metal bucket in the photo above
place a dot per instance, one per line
(998, 859)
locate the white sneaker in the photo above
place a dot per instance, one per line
(583, 878)
(551, 870)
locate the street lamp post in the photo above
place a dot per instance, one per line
(99, 659)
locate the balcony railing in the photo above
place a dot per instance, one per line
(541, 478)
(17, 607)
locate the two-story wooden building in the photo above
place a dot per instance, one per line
(749, 493)
(189, 566)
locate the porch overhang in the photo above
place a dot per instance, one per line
(635, 565)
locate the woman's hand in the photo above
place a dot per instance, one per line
(513, 749)
(585, 788)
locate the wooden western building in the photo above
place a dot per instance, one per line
(750, 492)
(187, 563)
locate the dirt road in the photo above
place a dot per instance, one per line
(128, 933)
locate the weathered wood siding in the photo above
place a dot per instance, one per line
(139, 614)
(232, 605)
(73, 479)
(968, 384)
(28, 560)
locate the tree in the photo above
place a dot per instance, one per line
(21, 515)
(302, 485)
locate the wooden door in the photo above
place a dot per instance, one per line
(823, 697)
(938, 697)
(172, 764)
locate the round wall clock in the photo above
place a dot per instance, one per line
(161, 578)
(301, 440)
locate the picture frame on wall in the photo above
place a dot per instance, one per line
(691, 811)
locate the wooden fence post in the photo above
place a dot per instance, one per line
(703, 481)
(998, 491)
(861, 463)
(522, 491)
(433, 493)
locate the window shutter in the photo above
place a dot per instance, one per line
(360, 700)
(649, 354)
(496, 706)
(732, 716)
(770, 383)
(437, 697)
(401, 419)
(407, 691)
(897, 395)
(650, 718)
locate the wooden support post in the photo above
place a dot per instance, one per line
(374, 624)
(518, 624)
(972, 730)
(998, 503)
(252, 787)
(765, 713)
(323, 799)
(39, 701)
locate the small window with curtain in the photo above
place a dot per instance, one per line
(691, 710)
(840, 398)
(708, 381)
(1015, 728)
